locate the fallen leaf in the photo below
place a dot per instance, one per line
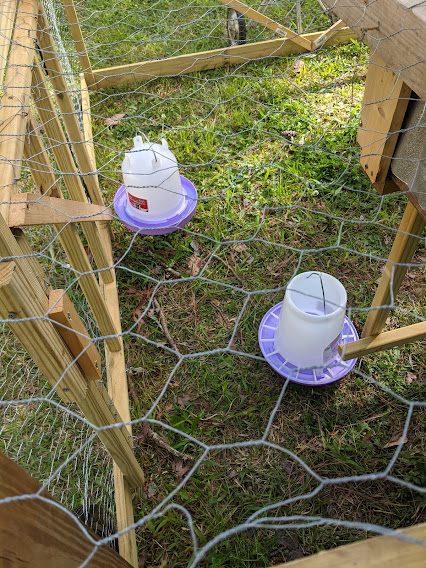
(233, 473)
(250, 259)
(409, 378)
(396, 440)
(114, 120)
(180, 469)
(289, 134)
(195, 247)
(152, 489)
(241, 247)
(299, 66)
(182, 400)
(195, 264)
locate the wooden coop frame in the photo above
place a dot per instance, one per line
(31, 69)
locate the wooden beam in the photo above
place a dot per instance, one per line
(40, 338)
(7, 19)
(116, 371)
(74, 334)
(40, 534)
(382, 341)
(65, 161)
(403, 249)
(272, 25)
(14, 105)
(340, 24)
(34, 209)
(205, 60)
(77, 36)
(393, 29)
(74, 249)
(31, 257)
(54, 69)
(376, 552)
(385, 102)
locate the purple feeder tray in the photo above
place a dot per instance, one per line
(162, 226)
(311, 377)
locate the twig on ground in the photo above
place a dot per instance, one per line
(149, 434)
(227, 265)
(164, 325)
(132, 389)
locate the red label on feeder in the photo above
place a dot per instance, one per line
(138, 203)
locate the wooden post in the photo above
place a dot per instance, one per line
(43, 343)
(40, 534)
(74, 334)
(384, 104)
(74, 248)
(7, 19)
(404, 246)
(15, 100)
(54, 69)
(77, 36)
(65, 161)
(116, 372)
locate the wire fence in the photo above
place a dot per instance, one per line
(242, 466)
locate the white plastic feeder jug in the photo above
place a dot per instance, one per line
(152, 181)
(311, 320)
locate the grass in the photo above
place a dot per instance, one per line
(271, 204)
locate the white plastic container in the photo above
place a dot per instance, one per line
(311, 320)
(152, 181)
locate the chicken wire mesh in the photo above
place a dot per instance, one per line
(242, 466)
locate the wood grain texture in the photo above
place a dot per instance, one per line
(272, 25)
(384, 104)
(376, 552)
(54, 69)
(38, 533)
(7, 19)
(65, 162)
(382, 341)
(395, 30)
(204, 60)
(14, 105)
(74, 334)
(77, 36)
(340, 24)
(39, 336)
(116, 369)
(33, 209)
(403, 249)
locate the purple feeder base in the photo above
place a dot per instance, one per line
(162, 226)
(311, 377)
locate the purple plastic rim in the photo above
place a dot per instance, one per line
(312, 377)
(163, 226)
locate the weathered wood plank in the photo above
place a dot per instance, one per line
(34, 209)
(204, 60)
(38, 533)
(7, 19)
(77, 36)
(384, 104)
(376, 552)
(395, 30)
(382, 341)
(74, 333)
(404, 246)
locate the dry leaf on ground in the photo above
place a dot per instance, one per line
(299, 66)
(396, 440)
(180, 469)
(195, 264)
(114, 120)
(410, 377)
